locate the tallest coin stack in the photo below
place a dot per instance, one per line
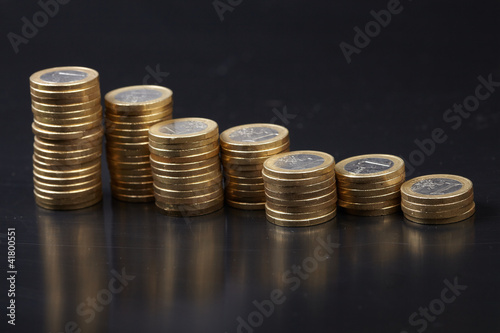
(67, 112)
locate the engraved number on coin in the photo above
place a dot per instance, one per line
(183, 127)
(253, 134)
(63, 76)
(436, 186)
(299, 161)
(138, 95)
(369, 165)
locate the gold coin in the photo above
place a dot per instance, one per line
(398, 180)
(300, 189)
(300, 195)
(350, 192)
(436, 215)
(69, 154)
(120, 191)
(67, 161)
(157, 116)
(246, 205)
(142, 146)
(83, 167)
(118, 139)
(330, 204)
(68, 195)
(75, 206)
(62, 115)
(182, 211)
(52, 135)
(184, 145)
(128, 151)
(190, 200)
(245, 187)
(295, 182)
(302, 223)
(157, 164)
(129, 185)
(138, 98)
(160, 179)
(133, 198)
(454, 219)
(183, 130)
(66, 187)
(66, 180)
(119, 132)
(58, 146)
(190, 186)
(72, 173)
(188, 159)
(436, 189)
(329, 197)
(68, 128)
(64, 78)
(439, 207)
(115, 125)
(43, 106)
(236, 168)
(298, 216)
(124, 165)
(67, 94)
(374, 212)
(167, 109)
(234, 162)
(48, 119)
(131, 158)
(188, 173)
(164, 192)
(235, 197)
(374, 199)
(244, 180)
(189, 206)
(252, 137)
(369, 206)
(256, 153)
(370, 168)
(66, 101)
(243, 174)
(170, 153)
(117, 177)
(298, 165)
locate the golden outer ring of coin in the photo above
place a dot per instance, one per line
(243, 174)
(297, 182)
(256, 153)
(372, 186)
(236, 161)
(440, 207)
(189, 186)
(44, 118)
(298, 216)
(128, 151)
(454, 219)
(62, 115)
(188, 173)
(369, 206)
(184, 152)
(66, 154)
(67, 195)
(66, 187)
(184, 145)
(128, 191)
(156, 135)
(189, 200)
(91, 79)
(245, 187)
(157, 164)
(302, 223)
(194, 212)
(185, 193)
(132, 186)
(119, 178)
(374, 212)
(189, 179)
(409, 195)
(436, 215)
(66, 180)
(167, 109)
(66, 101)
(139, 160)
(128, 146)
(241, 168)
(244, 180)
(164, 99)
(40, 106)
(125, 139)
(188, 207)
(133, 198)
(369, 193)
(294, 209)
(66, 173)
(246, 205)
(329, 197)
(252, 199)
(51, 135)
(124, 166)
(374, 199)
(188, 159)
(126, 132)
(68, 161)
(300, 189)
(162, 114)
(300, 195)
(66, 199)
(396, 169)
(67, 94)
(141, 171)
(68, 128)
(75, 206)
(55, 146)
(324, 168)
(278, 140)
(65, 168)
(115, 125)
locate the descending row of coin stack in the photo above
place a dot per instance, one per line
(186, 166)
(300, 188)
(369, 185)
(67, 112)
(130, 112)
(243, 151)
(437, 199)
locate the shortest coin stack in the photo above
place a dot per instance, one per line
(244, 150)
(187, 176)
(369, 185)
(437, 199)
(300, 188)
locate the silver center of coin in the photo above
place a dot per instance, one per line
(183, 127)
(63, 76)
(436, 186)
(253, 134)
(369, 165)
(138, 95)
(299, 161)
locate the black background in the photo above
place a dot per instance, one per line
(201, 274)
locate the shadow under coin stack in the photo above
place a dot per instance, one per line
(186, 166)
(130, 111)
(300, 188)
(67, 112)
(369, 185)
(437, 199)
(243, 152)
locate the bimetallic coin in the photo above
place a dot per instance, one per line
(302, 223)
(373, 199)
(246, 205)
(134, 99)
(369, 168)
(64, 78)
(439, 207)
(436, 215)
(299, 164)
(253, 137)
(375, 212)
(183, 130)
(296, 182)
(256, 153)
(454, 219)
(369, 206)
(436, 189)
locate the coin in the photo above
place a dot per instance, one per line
(183, 130)
(295, 181)
(439, 207)
(298, 164)
(246, 205)
(454, 219)
(302, 223)
(369, 206)
(375, 212)
(300, 189)
(64, 78)
(257, 153)
(436, 214)
(436, 189)
(136, 99)
(372, 199)
(254, 137)
(370, 168)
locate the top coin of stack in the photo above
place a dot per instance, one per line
(186, 166)
(437, 199)
(300, 188)
(130, 111)
(67, 112)
(369, 185)
(243, 151)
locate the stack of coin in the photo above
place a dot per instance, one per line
(130, 111)
(186, 166)
(243, 151)
(300, 188)
(67, 112)
(369, 185)
(437, 199)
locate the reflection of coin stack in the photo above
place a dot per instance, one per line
(300, 188)
(130, 111)
(369, 185)
(437, 199)
(67, 112)
(244, 150)
(186, 166)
